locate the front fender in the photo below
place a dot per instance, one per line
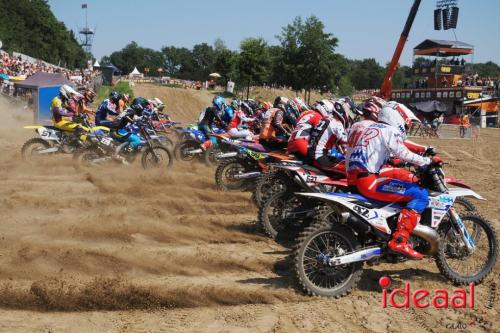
(464, 192)
(33, 126)
(97, 128)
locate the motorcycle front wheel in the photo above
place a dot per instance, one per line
(156, 157)
(453, 259)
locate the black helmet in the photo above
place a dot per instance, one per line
(114, 97)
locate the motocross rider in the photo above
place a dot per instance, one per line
(64, 107)
(275, 132)
(124, 121)
(370, 151)
(236, 125)
(209, 117)
(299, 140)
(330, 134)
(108, 107)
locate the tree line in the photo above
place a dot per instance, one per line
(303, 59)
(29, 27)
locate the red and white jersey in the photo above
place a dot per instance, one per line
(376, 144)
(239, 119)
(306, 122)
(327, 134)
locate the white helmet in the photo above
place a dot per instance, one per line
(398, 116)
(68, 92)
(324, 107)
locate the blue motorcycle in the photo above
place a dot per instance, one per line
(189, 146)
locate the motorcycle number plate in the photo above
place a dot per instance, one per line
(106, 141)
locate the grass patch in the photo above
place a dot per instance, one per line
(121, 87)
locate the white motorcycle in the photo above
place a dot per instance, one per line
(353, 230)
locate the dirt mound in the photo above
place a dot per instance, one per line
(182, 105)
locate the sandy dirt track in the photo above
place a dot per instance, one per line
(124, 250)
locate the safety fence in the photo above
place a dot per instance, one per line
(445, 131)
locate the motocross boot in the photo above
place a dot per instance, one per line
(207, 144)
(407, 221)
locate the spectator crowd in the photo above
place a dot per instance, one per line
(17, 66)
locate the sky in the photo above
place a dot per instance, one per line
(365, 28)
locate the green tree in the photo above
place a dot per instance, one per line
(29, 27)
(133, 55)
(203, 58)
(253, 62)
(307, 59)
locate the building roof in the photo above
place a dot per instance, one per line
(42, 79)
(443, 48)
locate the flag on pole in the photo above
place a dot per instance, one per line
(84, 5)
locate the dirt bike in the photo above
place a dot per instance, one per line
(354, 230)
(106, 149)
(52, 140)
(190, 143)
(239, 173)
(281, 210)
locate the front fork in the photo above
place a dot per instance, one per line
(466, 238)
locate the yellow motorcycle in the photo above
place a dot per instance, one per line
(52, 140)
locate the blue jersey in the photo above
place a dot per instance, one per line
(106, 108)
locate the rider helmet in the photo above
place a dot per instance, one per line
(235, 104)
(345, 111)
(67, 92)
(324, 107)
(158, 104)
(301, 105)
(398, 116)
(266, 105)
(372, 106)
(246, 108)
(280, 102)
(114, 97)
(219, 102)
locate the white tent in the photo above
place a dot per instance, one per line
(136, 74)
(96, 63)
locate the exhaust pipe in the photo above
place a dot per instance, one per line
(428, 234)
(361, 255)
(48, 150)
(247, 175)
(226, 155)
(195, 151)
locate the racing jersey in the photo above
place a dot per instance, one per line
(58, 110)
(306, 122)
(273, 124)
(327, 134)
(106, 108)
(238, 119)
(209, 116)
(369, 151)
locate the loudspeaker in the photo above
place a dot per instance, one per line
(437, 19)
(453, 18)
(446, 19)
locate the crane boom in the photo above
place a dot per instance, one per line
(386, 89)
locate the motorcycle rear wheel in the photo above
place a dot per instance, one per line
(224, 176)
(30, 148)
(181, 149)
(316, 278)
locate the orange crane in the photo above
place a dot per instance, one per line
(386, 89)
